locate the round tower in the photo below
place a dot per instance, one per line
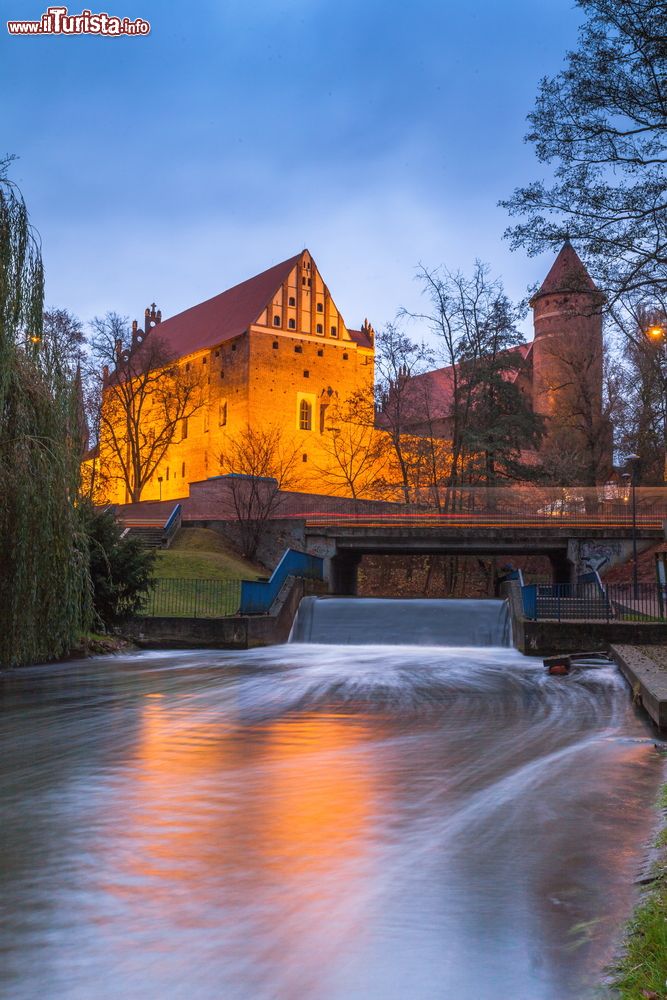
(567, 349)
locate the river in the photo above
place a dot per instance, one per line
(318, 822)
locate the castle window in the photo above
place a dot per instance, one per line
(309, 282)
(204, 360)
(303, 281)
(334, 331)
(233, 347)
(222, 373)
(276, 320)
(320, 353)
(304, 457)
(305, 415)
(183, 470)
(345, 357)
(275, 345)
(184, 434)
(291, 324)
(206, 421)
(319, 328)
(306, 374)
(222, 414)
(167, 474)
(320, 307)
(298, 349)
(292, 300)
(217, 354)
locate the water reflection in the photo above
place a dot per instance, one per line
(318, 822)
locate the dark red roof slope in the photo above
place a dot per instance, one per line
(224, 316)
(361, 338)
(431, 393)
(567, 274)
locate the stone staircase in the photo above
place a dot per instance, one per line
(150, 537)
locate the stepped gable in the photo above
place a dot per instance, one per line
(226, 315)
(567, 274)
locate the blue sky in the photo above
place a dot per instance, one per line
(377, 134)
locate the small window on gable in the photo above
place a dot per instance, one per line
(276, 345)
(292, 300)
(233, 347)
(306, 374)
(304, 457)
(305, 415)
(309, 282)
(298, 349)
(320, 307)
(222, 414)
(320, 353)
(334, 331)
(204, 360)
(217, 354)
(345, 357)
(319, 328)
(276, 320)
(292, 324)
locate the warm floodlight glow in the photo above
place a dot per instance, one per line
(656, 332)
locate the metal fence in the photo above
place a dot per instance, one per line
(193, 599)
(588, 601)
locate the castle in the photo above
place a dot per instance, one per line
(275, 351)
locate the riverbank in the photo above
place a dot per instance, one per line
(642, 972)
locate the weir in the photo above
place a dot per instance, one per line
(351, 621)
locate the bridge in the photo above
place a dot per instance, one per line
(579, 529)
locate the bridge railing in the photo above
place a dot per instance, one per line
(529, 506)
(258, 596)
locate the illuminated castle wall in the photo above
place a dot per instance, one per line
(273, 351)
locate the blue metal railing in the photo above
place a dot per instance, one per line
(258, 596)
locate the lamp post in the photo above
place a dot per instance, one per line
(632, 476)
(657, 334)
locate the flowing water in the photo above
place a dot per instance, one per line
(318, 822)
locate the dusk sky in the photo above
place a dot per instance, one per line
(377, 134)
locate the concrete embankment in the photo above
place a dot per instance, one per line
(645, 669)
(232, 632)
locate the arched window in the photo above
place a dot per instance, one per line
(305, 415)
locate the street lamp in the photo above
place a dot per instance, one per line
(632, 476)
(657, 334)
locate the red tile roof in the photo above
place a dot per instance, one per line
(224, 316)
(360, 337)
(433, 390)
(567, 274)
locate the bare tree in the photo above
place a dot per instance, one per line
(261, 465)
(602, 123)
(357, 452)
(578, 447)
(146, 398)
(489, 419)
(397, 360)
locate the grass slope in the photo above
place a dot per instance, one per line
(643, 971)
(203, 554)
